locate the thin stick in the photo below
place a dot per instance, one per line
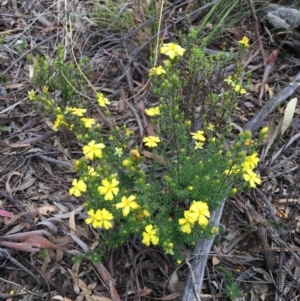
(256, 29)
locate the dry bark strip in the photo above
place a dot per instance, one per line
(194, 280)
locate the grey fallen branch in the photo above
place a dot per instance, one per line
(193, 284)
(256, 122)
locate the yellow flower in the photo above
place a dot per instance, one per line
(102, 100)
(252, 178)
(78, 187)
(91, 219)
(157, 71)
(88, 122)
(167, 63)
(244, 42)
(135, 153)
(93, 150)
(151, 141)
(127, 204)
(150, 235)
(59, 121)
(118, 151)
(188, 221)
(198, 145)
(45, 89)
(202, 211)
(243, 91)
(100, 219)
(109, 189)
(128, 133)
(127, 162)
(31, 94)
(250, 162)
(229, 80)
(76, 111)
(146, 213)
(91, 171)
(211, 127)
(152, 111)
(172, 50)
(198, 136)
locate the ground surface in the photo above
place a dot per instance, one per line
(42, 226)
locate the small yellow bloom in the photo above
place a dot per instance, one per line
(76, 111)
(198, 136)
(251, 161)
(31, 94)
(172, 50)
(202, 211)
(152, 111)
(151, 141)
(128, 133)
(100, 218)
(118, 151)
(77, 187)
(211, 127)
(252, 178)
(188, 221)
(91, 172)
(135, 153)
(229, 80)
(127, 162)
(109, 189)
(199, 145)
(157, 71)
(102, 100)
(243, 91)
(150, 235)
(45, 89)
(88, 122)
(127, 204)
(59, 121)
(244, 42)
(93, 150)
(146, 213)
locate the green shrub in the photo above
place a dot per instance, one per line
(163, 186)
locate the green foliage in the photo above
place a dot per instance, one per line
(21, 44)
(231, 288)
(112, 17)
(63, 78)
(162, 188)
(43, 254)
